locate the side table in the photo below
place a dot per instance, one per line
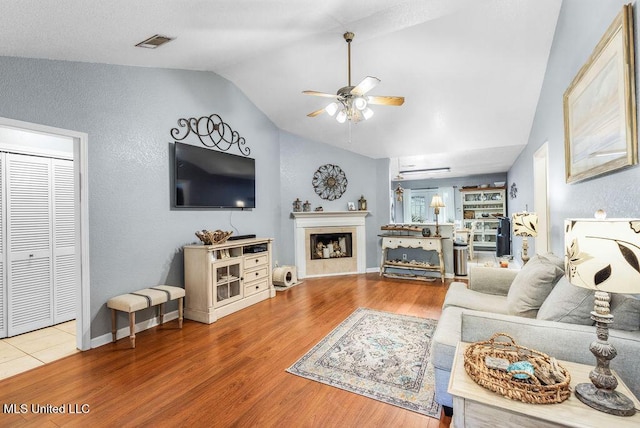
(477, 407)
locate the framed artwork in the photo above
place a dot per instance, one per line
(351, 206)
(600, 133)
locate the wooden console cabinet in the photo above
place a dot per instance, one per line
(411, 241)
(224, 278)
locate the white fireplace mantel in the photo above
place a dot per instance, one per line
(316, 219)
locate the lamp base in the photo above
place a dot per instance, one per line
(607, 401)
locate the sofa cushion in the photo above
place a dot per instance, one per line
(446, 338)
(531, 286)
(626, 312)
(459, 295)
(568, 303)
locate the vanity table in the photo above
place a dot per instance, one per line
(393, 241)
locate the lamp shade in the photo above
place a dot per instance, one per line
(436, 202)
(603, 254)
(525, 224)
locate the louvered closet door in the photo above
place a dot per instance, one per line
(3, 288)
(29, 264)
(64, 271)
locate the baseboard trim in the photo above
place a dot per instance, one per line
(105, 339)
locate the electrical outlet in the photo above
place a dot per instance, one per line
(404, 257)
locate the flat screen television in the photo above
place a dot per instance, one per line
(206, 178)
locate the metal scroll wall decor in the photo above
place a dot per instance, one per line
(329, 182)
(212, 131)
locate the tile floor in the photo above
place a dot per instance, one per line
(29, 350)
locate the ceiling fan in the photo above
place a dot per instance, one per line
(351, 102)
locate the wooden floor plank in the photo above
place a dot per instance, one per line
(227, 374)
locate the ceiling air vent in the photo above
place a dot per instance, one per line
(154, 42)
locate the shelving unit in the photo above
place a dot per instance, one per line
(411, 241)
(481, 209)
(224, 278)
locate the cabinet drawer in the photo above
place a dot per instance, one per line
(255, 274)
(427, 244)
(255, 260)
(255, 287)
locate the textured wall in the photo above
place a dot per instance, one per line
(135, 235)
(580, 26)
(299, 160)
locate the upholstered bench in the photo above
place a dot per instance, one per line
(142, 299)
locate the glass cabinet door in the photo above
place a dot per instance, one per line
(227, 282)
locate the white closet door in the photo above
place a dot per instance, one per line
(64, 269)
(3, 288)
(30, 290)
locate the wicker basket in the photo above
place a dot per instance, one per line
(209, 237)
(502, 382)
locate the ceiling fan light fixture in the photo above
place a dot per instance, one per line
(367, 113)
(331, 109)
(360, 103)
(341, 117)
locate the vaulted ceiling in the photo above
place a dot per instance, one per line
(470, 70)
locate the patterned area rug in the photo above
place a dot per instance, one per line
(380, 355)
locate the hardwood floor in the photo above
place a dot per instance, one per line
(227, 374)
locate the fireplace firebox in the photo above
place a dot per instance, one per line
(330, 245)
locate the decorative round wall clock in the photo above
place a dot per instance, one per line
(329, 182)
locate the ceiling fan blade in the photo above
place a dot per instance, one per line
(315, 113)
(367, 84)
(385, 100)
(320, 94)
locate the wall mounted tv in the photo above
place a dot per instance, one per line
(206, 178)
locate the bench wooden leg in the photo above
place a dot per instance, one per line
(161, 313)
(132, 329)
(113, 325)
(180, 309)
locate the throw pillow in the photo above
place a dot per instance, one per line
(626, 312)
(558, 261)
(531, 286)
(568, 303)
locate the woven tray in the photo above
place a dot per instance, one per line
(502, 382)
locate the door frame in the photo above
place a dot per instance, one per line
(541, 197)
(81, 193)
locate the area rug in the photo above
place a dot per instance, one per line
(380, 355)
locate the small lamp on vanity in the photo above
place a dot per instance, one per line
(603, 255)
(525, 224)
(436, 204)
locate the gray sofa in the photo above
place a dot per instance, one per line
(541, 310)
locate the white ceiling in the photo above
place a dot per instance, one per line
(470, 70)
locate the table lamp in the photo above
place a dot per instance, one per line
(436, 204)
(602, 254)
(525, 224)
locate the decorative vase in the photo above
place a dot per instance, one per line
(426, 232)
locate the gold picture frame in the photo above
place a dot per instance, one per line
(600, 133)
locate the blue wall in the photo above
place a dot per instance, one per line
(299, 160)
(136, 237)
(580, 26)
(128, 112)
